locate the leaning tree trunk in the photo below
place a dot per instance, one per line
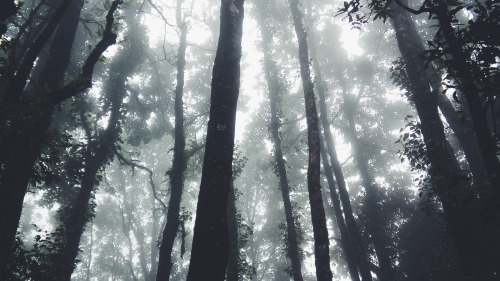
(447, 179)
(375, 223)
(469, 143)
(22, 149)
(276, 88)
(345, 239)
(99, 152)
(210, 242)
(464, 77)
(179, 161)
(333, 166)
(321, 242)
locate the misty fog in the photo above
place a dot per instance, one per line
(249, 140)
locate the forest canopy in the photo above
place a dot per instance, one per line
(250, 140)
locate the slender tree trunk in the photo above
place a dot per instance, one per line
(467, 139)
(447, 180)
(154, 241)
(345, 239)
(89, 259)
(357, 241)
(18, 79)
(179, 161)
(98, 153)
(275, 90)
(361, 258)
(321, 242)
(210, 242)
(375, 223)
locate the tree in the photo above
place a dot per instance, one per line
(210, 242)
(28, 118)
(447, 179)
(98, 153)
(321, 243)
(176, 174)
(275, 91)
(351, 240)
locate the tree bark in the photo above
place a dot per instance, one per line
(375, 223)
(332, 165)
(210, 242)
(321, 242)
(22, 148)
(233, 270)
(447, 180)
(99, 152)
(179, 161)
(345, 239)
(357, 260)
(276, 89)
(462, 71)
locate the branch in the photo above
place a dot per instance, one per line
(84, 80)
(130, 163)
(421, 10)
(189, 153)
(23, 70)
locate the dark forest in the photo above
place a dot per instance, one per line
(281, 140)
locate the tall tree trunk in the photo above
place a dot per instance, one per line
(22, 149)
(375, 223)
(357, 241)
(462, 71)
(345, 239)
(447, 180)
(321, 242)
(462, 130)
(361, 258)
(210, 242)
(99, 152)
(276, 89)
(179, 160)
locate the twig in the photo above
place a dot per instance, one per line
(131, 163)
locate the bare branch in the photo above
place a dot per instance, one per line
(132, 164)
(84, 81)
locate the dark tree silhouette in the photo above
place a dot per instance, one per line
(176, 174)
(28, 118)
(352, 245)
(321, 242)
(448, 181)
(275, 91)
(210, 242)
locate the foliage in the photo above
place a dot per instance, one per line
(36, 261)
